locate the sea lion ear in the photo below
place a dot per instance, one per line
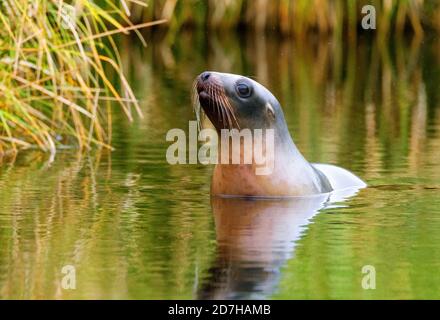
(270, 111)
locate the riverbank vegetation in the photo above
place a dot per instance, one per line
(56, 64)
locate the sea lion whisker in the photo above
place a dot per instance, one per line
(223, 100)
(227, 111)
(197, 109)
(225, 121)
(220, 98)
(220, 107)
(230, 112)
(214, 100)
(211, 94)
(233, 115)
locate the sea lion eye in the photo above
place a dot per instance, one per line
(243, 90)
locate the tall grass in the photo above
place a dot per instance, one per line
(55, 62)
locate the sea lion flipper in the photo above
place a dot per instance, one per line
(338, 177)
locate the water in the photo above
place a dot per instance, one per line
(134, 226)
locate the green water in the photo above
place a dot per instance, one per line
(135, 227)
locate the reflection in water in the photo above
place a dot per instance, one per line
(96, 213)
(137, 227)
(255, 237)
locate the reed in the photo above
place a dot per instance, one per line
(58, 64)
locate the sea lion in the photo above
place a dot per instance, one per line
(236, 102)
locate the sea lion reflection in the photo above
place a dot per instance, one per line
(255, 238)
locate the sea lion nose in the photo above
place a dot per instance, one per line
(205, 76)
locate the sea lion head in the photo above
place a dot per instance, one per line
(234, 101)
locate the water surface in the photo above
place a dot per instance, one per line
(136, 227)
